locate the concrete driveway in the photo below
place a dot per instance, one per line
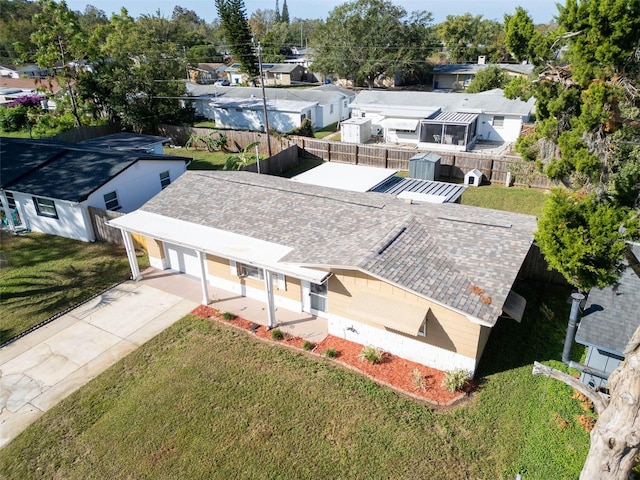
(47, 365)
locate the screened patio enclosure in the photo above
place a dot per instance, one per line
(458, 130)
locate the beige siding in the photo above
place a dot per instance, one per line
(154, 248)
(220, 267)
(445, 328)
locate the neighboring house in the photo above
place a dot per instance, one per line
(243, 108)
(126, 141)
(300, 56)
(412, 279)
(274, 74)
(459, 76)
(610, 318)
(12, 88)
(32, 71)
(207, 72)
(444, 121)
(48, 186)
(285, 74)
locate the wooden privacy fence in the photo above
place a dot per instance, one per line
(105, 233)
(453, 165)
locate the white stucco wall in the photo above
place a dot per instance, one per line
(509, 132)
(405, 347)
(137, 184)
(72, 222)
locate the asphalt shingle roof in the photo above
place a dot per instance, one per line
(59, 170)
(611, 314)
(445, 252)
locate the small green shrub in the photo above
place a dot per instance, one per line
(331, 353)
(307, 346)
(277, 334)
(371, 354)
(229, 316)
(455, 379)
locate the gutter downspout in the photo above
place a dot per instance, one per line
(576, 298)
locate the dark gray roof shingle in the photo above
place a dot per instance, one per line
(444, 252)
(611, 314)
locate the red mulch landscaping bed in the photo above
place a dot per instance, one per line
(393, 371)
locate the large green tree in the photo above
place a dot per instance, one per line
(60, 42)
(488, 78)
(519, 32)
(364, 39)
(233, 19)
(139, 74)
(467, 36)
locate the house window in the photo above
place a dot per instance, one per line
(423, 329)
(111, 201)
(238, 110)
(251, 272)
(11, 202)
(165, 179)
(331, 108)
(45, 207)
(498, 121)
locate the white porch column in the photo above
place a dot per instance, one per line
(203, 277)
(131, 255)
(7, 211)
(271, 309)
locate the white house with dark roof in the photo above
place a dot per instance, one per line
(446, 121)
(411, 279)
(458, 76)
(241, 108)
(609, 319)
(48, 186)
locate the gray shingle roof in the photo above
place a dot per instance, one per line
(62, 171)
(473, 68)
(439, 251)
(125, 141)
(612, 314)
(421, 102)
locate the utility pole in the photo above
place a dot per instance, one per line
(264, 101)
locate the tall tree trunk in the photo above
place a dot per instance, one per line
(615, 438)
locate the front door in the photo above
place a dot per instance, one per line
(314, 297)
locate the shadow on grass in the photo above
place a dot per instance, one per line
(540, 335)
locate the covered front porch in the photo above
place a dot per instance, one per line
(299, 324)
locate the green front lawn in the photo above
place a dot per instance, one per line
(42, 275)
(202, 400)
(512, 199)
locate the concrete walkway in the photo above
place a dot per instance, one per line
(40, 369)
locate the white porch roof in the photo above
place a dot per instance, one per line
(221, 243)
(356, 178)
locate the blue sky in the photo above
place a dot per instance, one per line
(541, 11)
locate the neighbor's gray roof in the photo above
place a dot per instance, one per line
(125, 141)
(494, 103)
(612, 314)
(62, 171)
(317, 95)
(257, 104)
(474, 68)
(439, 251)
(283, 68)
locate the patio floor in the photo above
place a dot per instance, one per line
(299, 324)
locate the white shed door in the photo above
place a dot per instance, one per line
(184, 260)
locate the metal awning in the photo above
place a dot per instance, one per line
(514, 306)
(388, 313)
(232, 246)
(400, 123)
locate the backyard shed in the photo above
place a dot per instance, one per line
(425, 166)
(356, 130)
(473, 178)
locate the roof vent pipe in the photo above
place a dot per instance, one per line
(576, 299)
